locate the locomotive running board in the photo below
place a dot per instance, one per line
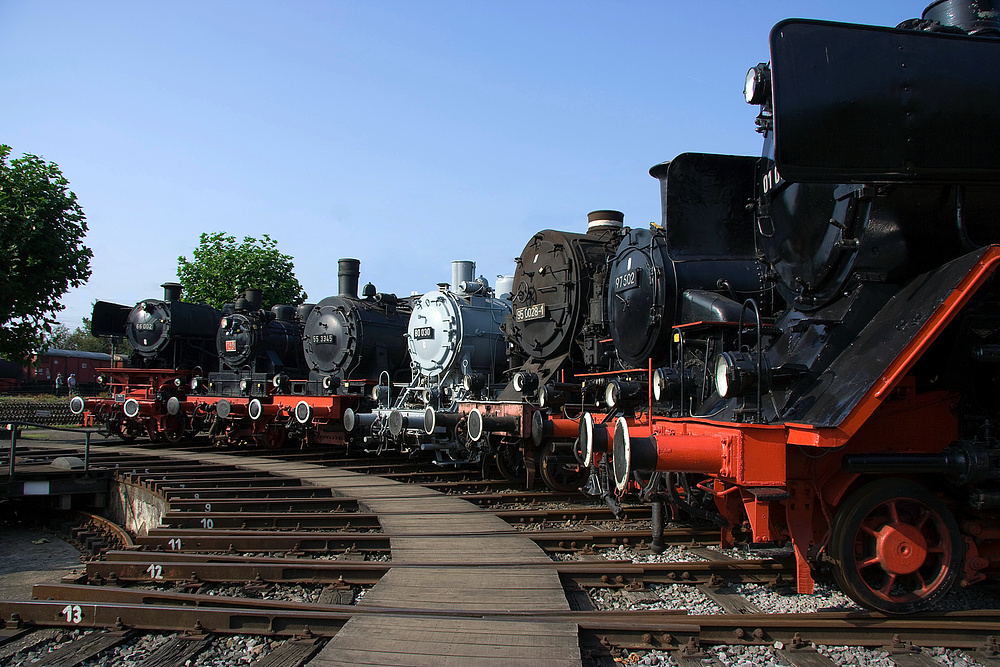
(885, 350)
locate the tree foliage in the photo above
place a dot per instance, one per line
(222, 269)
(81, 339)
(41, 251)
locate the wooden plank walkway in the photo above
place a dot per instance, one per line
(458, 533)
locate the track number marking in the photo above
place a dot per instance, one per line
(174, 543)
(155, 571)
(73, 613)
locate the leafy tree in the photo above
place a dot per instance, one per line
(41, 251)
(222, 269)
(81, 339)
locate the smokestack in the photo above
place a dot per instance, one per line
(462, 271)
(253, 297)
(601, 220)
(171, 291)
(976, 18)
(348, 276)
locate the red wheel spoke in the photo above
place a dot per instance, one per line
(893, 512)
(890, 580)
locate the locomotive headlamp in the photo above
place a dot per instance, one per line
(178, 382)
(280, 381)
(666, 384)
(737, 373)
(197, 383)
(621, 393)
(102, 380)
(224, 323)
(525, 382)
(474, 382)
(244, 385)
(331, 383)
(550, 397)
(757, 88)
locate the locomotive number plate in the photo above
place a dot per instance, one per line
(119, 398)
(423, 333)
(230, 346)
(143, 326)
(627, 281)
(527, 313)
(324, 338)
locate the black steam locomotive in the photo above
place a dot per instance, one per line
(857, 422)
(172, 341)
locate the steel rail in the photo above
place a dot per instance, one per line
(149, 568)
(631, 630)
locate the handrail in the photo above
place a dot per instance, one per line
(13, 441)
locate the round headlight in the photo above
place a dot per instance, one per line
(757, 87)
(722, 376)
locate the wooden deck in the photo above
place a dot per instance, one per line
(444, 529)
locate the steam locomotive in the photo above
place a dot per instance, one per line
(851, 411)
(457, 351)
(289, 375)
(172, 341)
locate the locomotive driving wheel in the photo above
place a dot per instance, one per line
(896, 547)
(127, 430)
(560, 470)
(173, 428)
(510, 463)
(274, 437)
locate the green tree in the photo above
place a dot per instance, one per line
(222, 269)
(81, 339)
(41, 251)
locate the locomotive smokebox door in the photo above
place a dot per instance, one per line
(857, 104)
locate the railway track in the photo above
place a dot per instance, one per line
(233, 539)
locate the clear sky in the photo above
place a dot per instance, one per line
(403, 133)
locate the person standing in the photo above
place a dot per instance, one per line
(71, 383)
(60, 384)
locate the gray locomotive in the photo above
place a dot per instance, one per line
(457, 351)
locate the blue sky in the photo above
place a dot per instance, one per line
(405, 134)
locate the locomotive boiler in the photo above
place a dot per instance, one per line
(171, 341)
(352, 337)
(858, 423)
(457, 351)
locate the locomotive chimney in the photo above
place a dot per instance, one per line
(171, 291)
(976, 18)
(462, 271)
(253, 297)
(349, 273)
(598, 221)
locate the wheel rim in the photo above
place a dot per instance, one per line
(510, 464)
(561, 472)
(173, 428)
(274, 438)
(900, 551)
(898, 547)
